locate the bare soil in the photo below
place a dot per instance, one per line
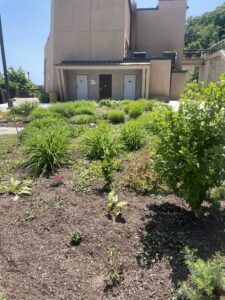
(37, 261)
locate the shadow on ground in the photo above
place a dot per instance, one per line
(169, 228)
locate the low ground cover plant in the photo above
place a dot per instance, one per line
(47, 150)
(17, 188)
(133, 136)
(116, 116)
(206, 279)
(115, 206)
(190, 153)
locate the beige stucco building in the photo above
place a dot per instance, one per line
(112, 49)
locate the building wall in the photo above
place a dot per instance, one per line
(178, 80)
(160, 78)
(93, 90)
(162, 29)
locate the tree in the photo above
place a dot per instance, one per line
(20, 85)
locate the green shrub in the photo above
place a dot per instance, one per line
(135, 112)
(99, 140)
(206, 279)
(106, 102)
(116, 116)
(190, 153)
(70, 109)
(41, 124)
(47, 150)
(84, 110)
(42, 113)
(43, 97)
(24, 109)
(83, 119)
(133, 136)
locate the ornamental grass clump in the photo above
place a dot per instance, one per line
(189, 148)
(133, 136)
(47, 150)
(116, 116)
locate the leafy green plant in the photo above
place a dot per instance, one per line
(43, 97)
(76, 238)
(115, 270)
(139, 174)
(135, 112)
(43, 113)
(189, 150)
(17, 188)
(24, 109)
(98, 140)
(47, 150)
(2, 296)
(133, 136)
(115, 206)
(116, 116)
(206, 280)
(70, 109)
(216, 195)
(106, 102)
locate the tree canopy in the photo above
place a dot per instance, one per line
(206, 30)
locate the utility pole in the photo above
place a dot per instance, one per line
(8, 98)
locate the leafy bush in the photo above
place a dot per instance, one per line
(83, 119)
(207, 279)
(116, 116)
(139, 174)
(99, 140)
(133, 136)
(43, 97)
(190, 153)
(24, 109)
(115, 206)
(47, 150)
(17, 188)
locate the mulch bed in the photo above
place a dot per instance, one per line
(37, 261)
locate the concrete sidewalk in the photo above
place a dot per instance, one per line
(9, 130)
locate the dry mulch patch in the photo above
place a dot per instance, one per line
(37, 261)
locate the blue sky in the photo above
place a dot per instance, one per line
(26, 27)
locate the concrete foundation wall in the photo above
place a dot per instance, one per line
(160, 78)
(178, 80)
(93, 89)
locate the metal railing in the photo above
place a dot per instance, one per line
(194, 54)
(216, 47)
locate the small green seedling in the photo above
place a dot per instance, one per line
(114, 268)
(115, 206)
(76, 238)
(17, 188)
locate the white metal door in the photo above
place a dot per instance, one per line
(129, 87)
(82, 87)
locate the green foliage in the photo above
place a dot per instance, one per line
(99, 140)
(24, 109)
(116, 116)
(216, 195)
(70, 109)
(17, 188)
(135, 111)
(107, 103)
(206, 280)
(43, 113)
(133, 136)
(76, 238)
(114, 268)
(2, 296)
(43, 97)
(83, 119)
(139, 174)
(206, 30)
(190, 145)
(18, 81)
(47, 150)
(115, 206)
